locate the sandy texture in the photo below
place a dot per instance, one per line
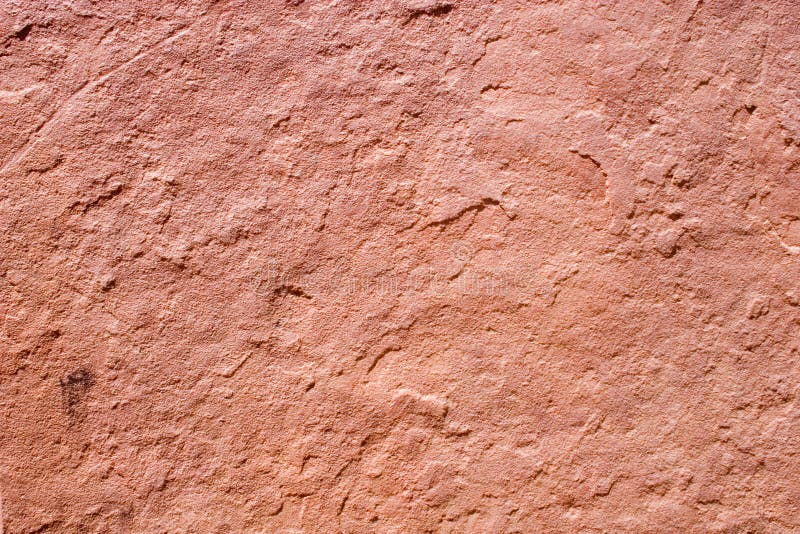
(399, 266)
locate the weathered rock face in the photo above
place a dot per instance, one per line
(399, 266)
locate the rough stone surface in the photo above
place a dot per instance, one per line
(399, 266)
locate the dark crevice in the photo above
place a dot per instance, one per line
(479, 207)
(594, 161)
(23, 32)
(438, 10)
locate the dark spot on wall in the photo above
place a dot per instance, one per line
(74, 389)
(295, 291)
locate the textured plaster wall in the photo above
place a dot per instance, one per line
(399, 266)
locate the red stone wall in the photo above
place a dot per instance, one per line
(399, 266)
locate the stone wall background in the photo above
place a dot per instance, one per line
(399, 266)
